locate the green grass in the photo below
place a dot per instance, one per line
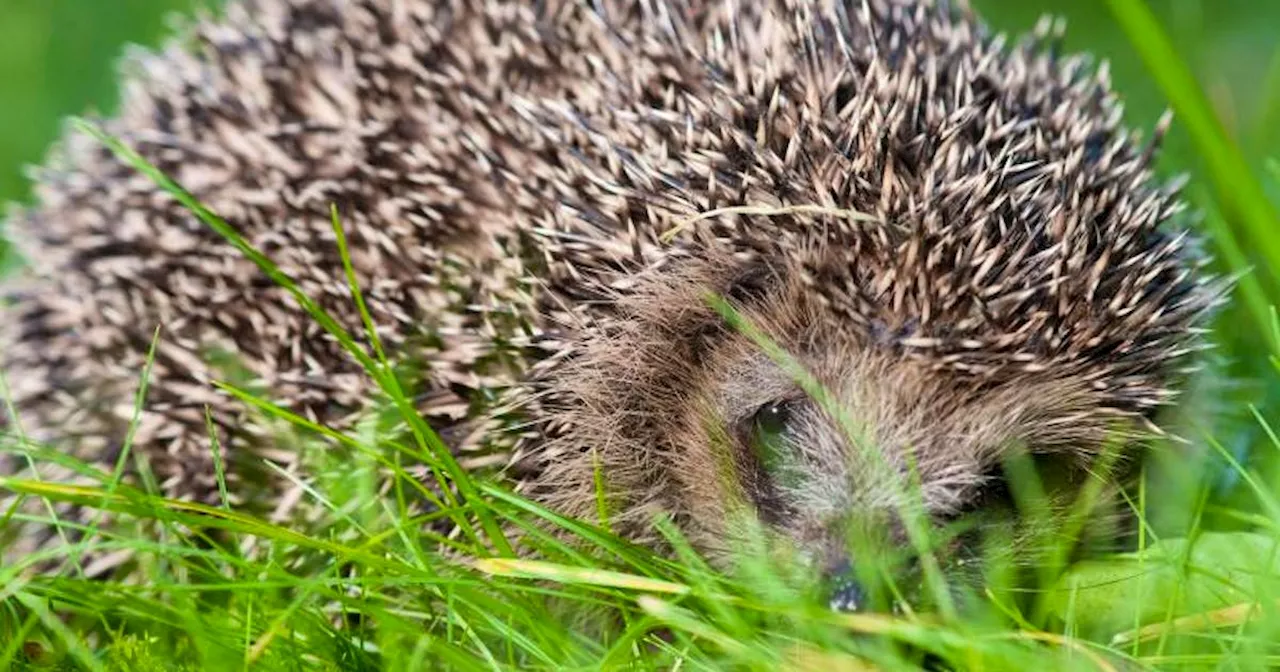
(371, 583)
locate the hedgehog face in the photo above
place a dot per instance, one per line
(801, 465)
(687, 416)
(832, 473)
(813, 467)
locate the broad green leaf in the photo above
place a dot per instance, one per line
(1171, 579)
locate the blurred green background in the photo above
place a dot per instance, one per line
(57, 58)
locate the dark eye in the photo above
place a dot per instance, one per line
(770, 427)
(772, 419)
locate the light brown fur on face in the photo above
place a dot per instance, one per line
(668, 425)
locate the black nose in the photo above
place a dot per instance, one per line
(844, 594)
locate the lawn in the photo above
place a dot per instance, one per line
(360, 589)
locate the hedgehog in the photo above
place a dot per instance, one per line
(632, 238)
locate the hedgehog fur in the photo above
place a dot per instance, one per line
(956, 235)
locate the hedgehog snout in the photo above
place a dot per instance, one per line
(844, 593)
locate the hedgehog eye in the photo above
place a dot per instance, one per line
(772, 419)
(770, 427)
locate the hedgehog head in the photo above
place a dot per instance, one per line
(781, 410)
